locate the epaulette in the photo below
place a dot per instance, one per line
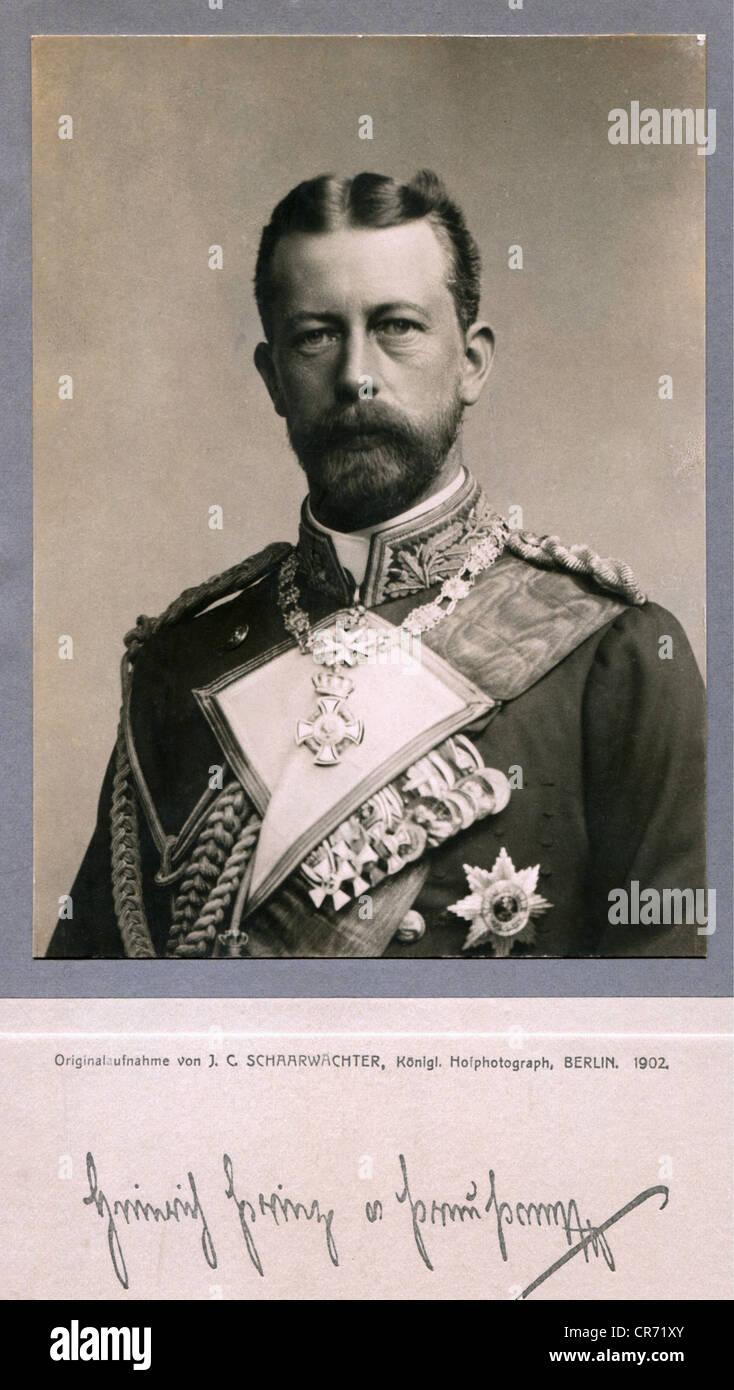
(547, 552)
(201, 596)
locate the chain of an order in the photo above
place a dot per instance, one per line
(421, 619)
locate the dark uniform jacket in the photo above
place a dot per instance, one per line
(597, 723)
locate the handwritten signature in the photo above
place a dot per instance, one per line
(560, 1214)
(278, 1209)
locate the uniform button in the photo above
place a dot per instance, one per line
(238, 636)
(412, 928)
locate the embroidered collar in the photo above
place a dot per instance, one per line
(405, 557)
(353, 547)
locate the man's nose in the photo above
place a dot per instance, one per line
(357, 376)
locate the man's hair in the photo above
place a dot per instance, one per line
(326, 203)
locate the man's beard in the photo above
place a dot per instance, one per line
(365, 463)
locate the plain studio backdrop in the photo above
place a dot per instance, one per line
(181, 144)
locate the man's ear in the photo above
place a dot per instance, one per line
(478, 358)
(266, 367)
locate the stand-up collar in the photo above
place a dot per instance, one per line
(405, 556)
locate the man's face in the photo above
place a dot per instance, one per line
(366, 362)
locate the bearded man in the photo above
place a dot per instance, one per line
(418, 732)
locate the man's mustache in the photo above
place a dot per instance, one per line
(338, 427)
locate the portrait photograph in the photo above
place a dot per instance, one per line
(369, 497)
(367, 670)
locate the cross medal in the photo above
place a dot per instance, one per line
(332, 725)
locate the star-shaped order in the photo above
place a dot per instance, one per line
(501, 905)
(343, 646)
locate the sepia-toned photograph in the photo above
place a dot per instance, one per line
(369, 461)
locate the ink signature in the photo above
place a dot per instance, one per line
(135, 1208)
(556, 1213)
(278, 1209)
(277, 1205)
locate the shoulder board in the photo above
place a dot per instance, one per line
(548, 553)
(240, 577)
(195, 600)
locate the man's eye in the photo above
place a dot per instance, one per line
(398, 328)
(315, 337)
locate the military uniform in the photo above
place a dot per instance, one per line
(599, 739)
